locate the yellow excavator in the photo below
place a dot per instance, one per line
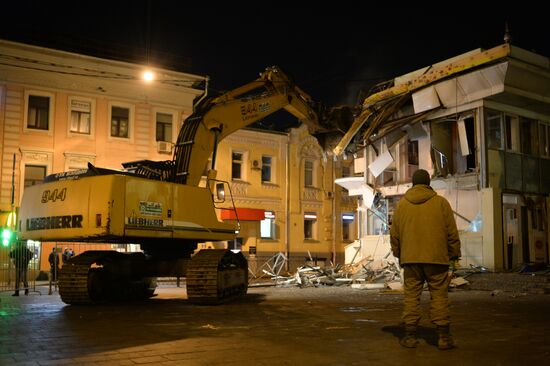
(160, 205)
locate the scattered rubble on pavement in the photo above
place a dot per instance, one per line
(365, 274)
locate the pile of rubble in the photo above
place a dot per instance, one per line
(366, 273)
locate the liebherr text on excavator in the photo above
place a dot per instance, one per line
(160, 205)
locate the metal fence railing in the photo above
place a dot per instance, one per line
(28, 267)
(19, 267)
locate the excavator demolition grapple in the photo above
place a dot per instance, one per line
(160, 205)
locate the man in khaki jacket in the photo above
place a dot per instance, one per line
(425, 239)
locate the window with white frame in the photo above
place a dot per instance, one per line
(120, 121)
(236, 165)
(80, 116)
(164, 127)
(266, 169)
(38, 112)
(310, 225)
(308, 173)
(267, 225)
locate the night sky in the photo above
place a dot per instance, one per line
(333, 52)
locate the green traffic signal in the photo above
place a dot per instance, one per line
(7, 235)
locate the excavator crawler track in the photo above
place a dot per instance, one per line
(215, 276)
(73, 279)
(86, 280)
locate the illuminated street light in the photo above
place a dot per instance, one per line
(148, 76)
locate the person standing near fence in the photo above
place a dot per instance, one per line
(21, 256)
(67, 254)
(54, 264)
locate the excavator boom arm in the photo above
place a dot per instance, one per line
(219, 117)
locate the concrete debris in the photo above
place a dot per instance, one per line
(368, 286)
(458, 281)
(396, 286)
(365, 274)
(478, 268)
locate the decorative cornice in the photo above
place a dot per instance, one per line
(311, 194)
(309, 147)
(253, 138)
(239, 188)
(263, 203)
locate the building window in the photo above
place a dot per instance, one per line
(310, 223)
(412, 152)
(347, 220)
(494, 130)
(267, 226)
(120, 121)
(236, 165)
(80, 116)
(544, 136)
(266, 168)
(38, 112)
(164, 127)
(346, 171)
(34, 174)
(308, 173)
(512, 133)
(529, 136)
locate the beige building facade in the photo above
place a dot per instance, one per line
(290, 178)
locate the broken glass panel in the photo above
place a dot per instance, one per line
(531, 174)
(513, 172)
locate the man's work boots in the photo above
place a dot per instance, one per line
(409, 341)
(26, 292)
(445, 340)
(16, 293)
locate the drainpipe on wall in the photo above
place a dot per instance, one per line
(287, 204)
(333, 213)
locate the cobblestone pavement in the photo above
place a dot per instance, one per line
(271, 326)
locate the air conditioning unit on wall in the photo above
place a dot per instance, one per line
(164, 147)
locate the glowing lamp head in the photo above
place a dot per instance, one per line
(148, 76)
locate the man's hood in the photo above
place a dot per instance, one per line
(419, 193)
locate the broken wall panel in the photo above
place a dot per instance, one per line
(464, 202)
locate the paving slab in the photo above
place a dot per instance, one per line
(271, 326)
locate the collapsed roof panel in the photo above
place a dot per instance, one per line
(375, 106)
